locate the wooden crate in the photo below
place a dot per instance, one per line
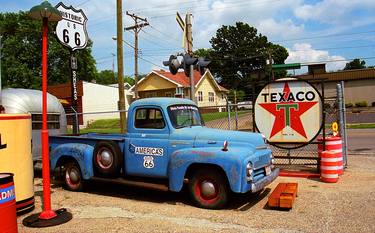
(283, 196)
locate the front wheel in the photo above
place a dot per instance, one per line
(209, 189)
(72, 177)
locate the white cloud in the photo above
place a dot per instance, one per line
(332, 11)
(304, 53)
(283, 29)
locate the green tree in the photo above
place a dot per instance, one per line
(106, 77)
(239, 55)
(130, 80)
(355, 64)
(21, 54)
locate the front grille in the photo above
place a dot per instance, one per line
(262, 161)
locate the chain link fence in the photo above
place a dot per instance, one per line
(238, 117)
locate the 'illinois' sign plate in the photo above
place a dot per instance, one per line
(289, 111)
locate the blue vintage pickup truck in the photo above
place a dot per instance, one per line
(167, 146)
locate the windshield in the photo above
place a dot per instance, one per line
(184, 116)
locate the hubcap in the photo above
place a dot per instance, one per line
(73, 176)
(208, 189)
(105, 158)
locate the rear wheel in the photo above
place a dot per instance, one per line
(107, 158)
(72, 177)
(209, 189)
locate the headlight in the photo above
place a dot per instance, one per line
(264, 139)
(272, 158)
(272, 161)
(249, 171)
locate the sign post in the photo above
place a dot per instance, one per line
(71, 32)
(289, 111)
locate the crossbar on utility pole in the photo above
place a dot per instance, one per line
(120, 68)
(136, 28)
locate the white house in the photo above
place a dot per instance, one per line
(94, 100)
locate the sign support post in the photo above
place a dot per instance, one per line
(71, 32)
(74, 94)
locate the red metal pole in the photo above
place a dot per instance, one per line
(47, 213)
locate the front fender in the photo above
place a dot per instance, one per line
(230, 161)
(82, 153)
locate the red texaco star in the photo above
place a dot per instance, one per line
(288, 114)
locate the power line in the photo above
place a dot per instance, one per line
(83, 3)
(205, 9)
(165, 34)
(324, 36)
(148, 61)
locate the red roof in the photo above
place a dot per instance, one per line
(181, 78)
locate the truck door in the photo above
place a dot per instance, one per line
(147, 152)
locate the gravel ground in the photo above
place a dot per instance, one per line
(347, 206)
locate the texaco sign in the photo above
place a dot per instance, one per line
(289, 111)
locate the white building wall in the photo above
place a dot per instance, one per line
(100, 98)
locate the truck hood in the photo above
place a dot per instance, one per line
(204, 137)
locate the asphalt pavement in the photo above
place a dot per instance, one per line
(361, 141)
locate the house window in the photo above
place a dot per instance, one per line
(200, 96)
(149, 118)
(168, 94)
(211, 97)
(222, 96)
(150, 94)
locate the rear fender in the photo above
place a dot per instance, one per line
(228, 161)
(81, 153)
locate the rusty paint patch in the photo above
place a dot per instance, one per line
(177, 163)
(202, 153)
(234, 174)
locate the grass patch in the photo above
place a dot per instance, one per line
(105, 124)
(361, 126)
(219, 115)
(355, 126)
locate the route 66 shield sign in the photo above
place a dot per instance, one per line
(71, 30)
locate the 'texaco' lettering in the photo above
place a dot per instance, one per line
(288, 97)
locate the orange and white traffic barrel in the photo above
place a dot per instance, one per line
(8, 214)
(333, 144)
(329, 166)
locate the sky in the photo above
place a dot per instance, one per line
(329, 31)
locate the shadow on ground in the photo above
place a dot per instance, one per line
(239, 202)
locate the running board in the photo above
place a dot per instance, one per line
(160, 187)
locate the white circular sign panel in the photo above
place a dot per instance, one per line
(289, 111)
(71, 30)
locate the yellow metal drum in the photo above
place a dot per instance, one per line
(16, 157)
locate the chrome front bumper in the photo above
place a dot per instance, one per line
(259, 185)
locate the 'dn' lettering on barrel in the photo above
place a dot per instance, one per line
(8, 215)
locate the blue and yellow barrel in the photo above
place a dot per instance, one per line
(16, 157)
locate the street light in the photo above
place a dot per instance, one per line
(47, 217)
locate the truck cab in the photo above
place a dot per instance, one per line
(168, 142)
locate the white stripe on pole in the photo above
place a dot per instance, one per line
(329, 175)
(331, 159)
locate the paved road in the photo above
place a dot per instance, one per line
(346, 206)
(361, 141)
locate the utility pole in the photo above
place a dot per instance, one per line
(186, 27)
(136, 29)
(272, 76)
(120, 68)
(113, 65)
(189, 45)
